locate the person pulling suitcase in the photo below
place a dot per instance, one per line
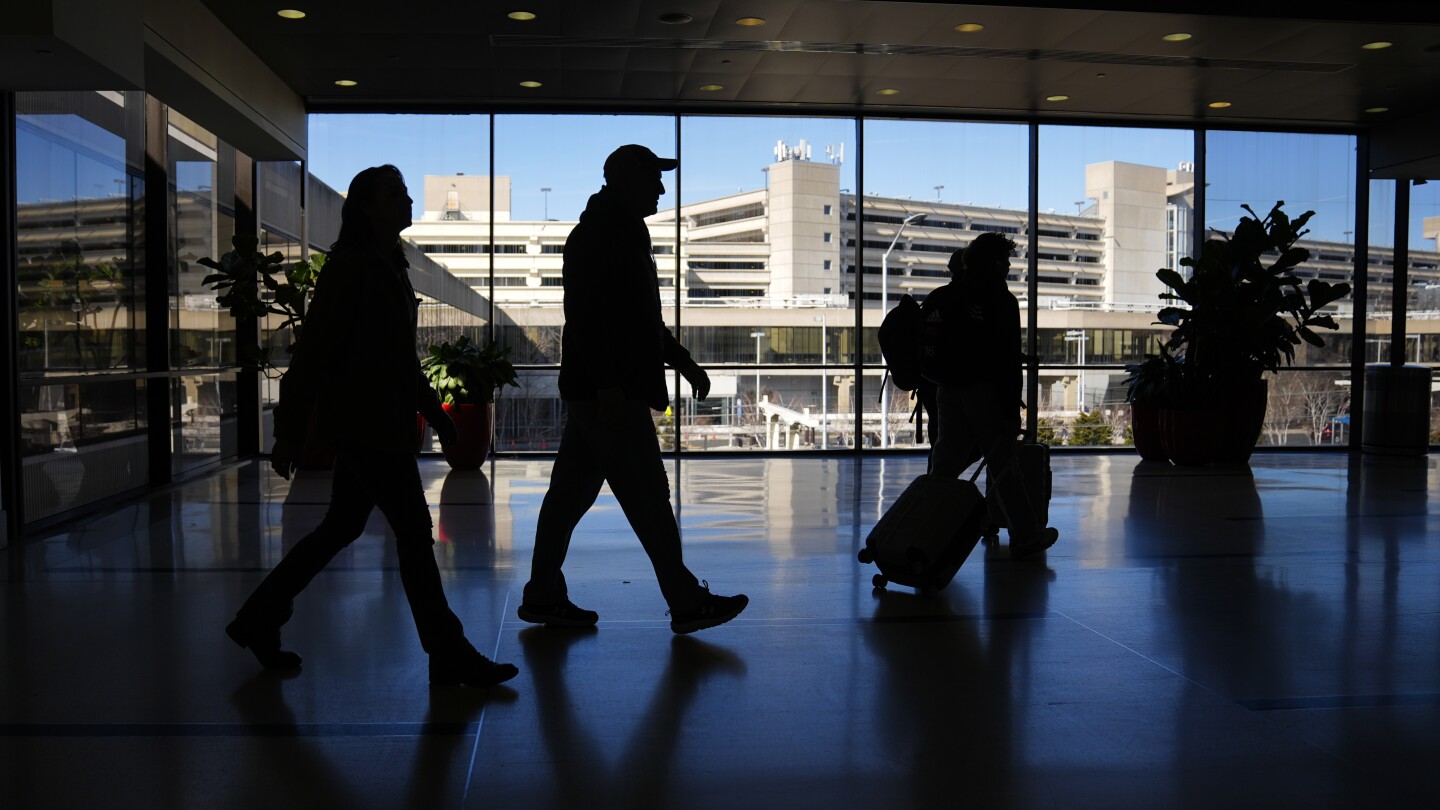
(970, 349)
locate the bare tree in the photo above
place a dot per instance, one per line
(1284, 408)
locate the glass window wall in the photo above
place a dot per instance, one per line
(79, 177)
(1307, 172)
(1116, 204)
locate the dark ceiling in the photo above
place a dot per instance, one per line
(836, 56)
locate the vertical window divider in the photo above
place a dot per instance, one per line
(859, 231)
(159, 269)
(1400, 278)
(11, 500)
(1197, 228)
(679, 333)
(490, 247)
(1360, 290)
(1032, 290)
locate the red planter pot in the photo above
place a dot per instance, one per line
(1243, 420)
(1225, 434)
(1145, 430)
(1188, 436)
(475, 425)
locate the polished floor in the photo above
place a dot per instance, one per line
(1262, 637)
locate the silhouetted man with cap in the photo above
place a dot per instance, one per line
(612, 373)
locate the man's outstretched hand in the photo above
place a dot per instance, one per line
(444, 429)
(698, 379)
(282, 459)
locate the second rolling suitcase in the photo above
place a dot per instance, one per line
(924, 537)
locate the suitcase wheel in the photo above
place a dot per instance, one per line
(865, 556)
(879, 581)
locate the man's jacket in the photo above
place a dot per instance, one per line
(354, 380)
(614, 335)
(980, 339)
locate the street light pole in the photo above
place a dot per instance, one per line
(1078, 336)
(757, 335)
(885, 308)
(546, 191)
(824, 389)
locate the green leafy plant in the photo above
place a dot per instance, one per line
(1091, 430)
(464, 373)
(251, 284)
(1241, 316)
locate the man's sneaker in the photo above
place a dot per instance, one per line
(562, 614)
(711, 612)
(469, 669)
(1044, 539)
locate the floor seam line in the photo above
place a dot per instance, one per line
(480, 721)
(1273, 723)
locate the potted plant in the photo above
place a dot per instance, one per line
(1241, 318)
(246, 284)
(251, 284)
(466, 377)
(1148, 389)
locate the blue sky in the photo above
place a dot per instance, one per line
(984, 164)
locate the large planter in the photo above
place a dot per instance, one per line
(1242, 420)
(1224, 432)
(1145, 430)
(1188, 434)
(475, 426)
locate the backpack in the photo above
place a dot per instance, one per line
(935, 342)
(901, 333)
(900, 343)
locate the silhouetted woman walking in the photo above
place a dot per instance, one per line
(359, 338)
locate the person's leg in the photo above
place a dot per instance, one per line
(995, 430)
(629, 456)
(258, 622)
(955, 445)
(575, 482)
(393, 480)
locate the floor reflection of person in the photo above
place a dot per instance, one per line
(359, 342)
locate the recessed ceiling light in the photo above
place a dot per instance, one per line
(530, 83)
(969, 28)
(291, 14)
(1178, 36)
(710, 88)
(346, 82)
(1057, 98)
(675, 18)
(887, 91)
(1219, 105)
(1377, 109)
(750, 21)
(1376, 46)
(522, 16)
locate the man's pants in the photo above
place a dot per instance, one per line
(627, 455)
(973, 421)
(363, 481)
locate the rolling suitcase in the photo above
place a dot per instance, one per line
(1034, 459)
(924, 537)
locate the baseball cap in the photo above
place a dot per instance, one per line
(632, 158)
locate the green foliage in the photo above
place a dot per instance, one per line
(1047, 433)
(1091, 430)
(463, 373)
(246, 283)
(1239, 317)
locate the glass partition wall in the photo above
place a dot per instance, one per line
(781, 242)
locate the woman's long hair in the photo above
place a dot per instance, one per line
(356, 231)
